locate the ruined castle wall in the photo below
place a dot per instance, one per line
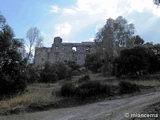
(64, 52)
(41, 55)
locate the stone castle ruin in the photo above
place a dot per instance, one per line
(64, 52)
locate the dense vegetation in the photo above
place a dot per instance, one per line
(120, 53)
(136, 61)
(131, 62)
(12, 65)
(87, 89)
(60, 70)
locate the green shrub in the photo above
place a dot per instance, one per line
(48, 74)
(32, 74)
(54, 72)
(84, 78)
(13, 79)
(62, 70)
(92, 88)
(89, 89)
(72, 65)
(92, 62)
(126, 88)
(76, 72)
(67, 90)
(136, 61)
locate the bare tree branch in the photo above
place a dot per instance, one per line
(35, 40)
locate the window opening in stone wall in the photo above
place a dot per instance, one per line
(88, 49)
(57, 49)
(74, 49)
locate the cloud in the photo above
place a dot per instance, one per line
(48, 38)
(65, 41)
(143, 6)
(83, 15)
(91, 7)
(62, 29)
(54, 9)
(146, 24)
(94, 13)
(69, 11)
(98, 6)
(91, 39)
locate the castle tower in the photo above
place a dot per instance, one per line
(57, 40)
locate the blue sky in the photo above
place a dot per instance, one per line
(79, 20)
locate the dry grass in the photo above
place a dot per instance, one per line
(17, 101)
(15, 104)
(115, 82)
(150, 83)
(36, 94)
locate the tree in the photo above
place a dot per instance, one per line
(72, 64)
(113, 35)
(135, 61)
(48, 74)
(156, 2)
(35, 40)
(149, 45)
(6, 35)
(93, 62)
(156, 47)
(12, 66)
(138, 40)
(134, 41)
(54, 72)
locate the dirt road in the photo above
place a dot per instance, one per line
(106, 110)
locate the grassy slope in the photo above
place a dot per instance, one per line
(39, 95)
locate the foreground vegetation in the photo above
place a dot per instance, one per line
(41, 96)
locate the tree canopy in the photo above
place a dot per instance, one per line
(156, 2)
(12, 65)
(111, 37)
(136, 61)
(35, 40)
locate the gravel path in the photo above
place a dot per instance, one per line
(106, 110)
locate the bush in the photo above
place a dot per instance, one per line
(126, 88)
(76, 72)
(13, 79)
(72, 65)
(54, 72)
(62, 70)
(67, 90)
(89, 89)
(92, 88)
(134, 62)
(32, 74)
(48, 74)
(84, 78)
(92, 62)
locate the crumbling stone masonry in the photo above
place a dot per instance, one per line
(64, 52)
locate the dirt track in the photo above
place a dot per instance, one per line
(106, 110)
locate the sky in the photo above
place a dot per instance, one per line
(79, 20)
